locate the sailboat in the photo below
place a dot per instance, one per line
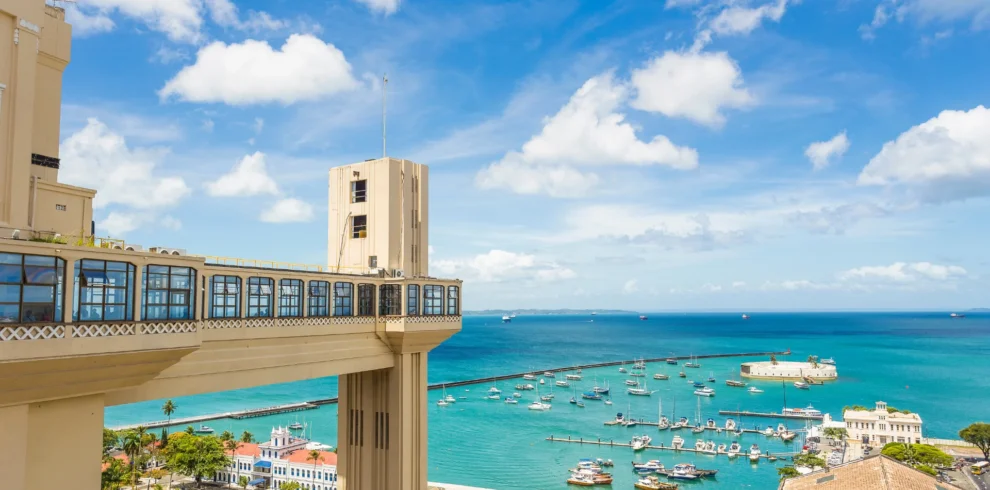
(448, 398)
(662, 422)
(494, 389)
(697, 420)
(538, 404)
(547, 397)
(640, 391)
(629, 421)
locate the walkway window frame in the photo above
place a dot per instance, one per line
(175, 282)
(343, 299)
(106, 287)
(260, 297)
(433, 300)
(290, 298)
(228, 290)
(390, 300)
(29, 277)
(412, 300)
(453, 300)
(319, 298)
(366, 300)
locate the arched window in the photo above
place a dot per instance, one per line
(432, 300)
(319, 298)
(168, 293)
(343, 298)
(261, 291)
(31, 288)
(226, 297)
(412, 300)
(290, 297)
(390, 299)
(104, 290)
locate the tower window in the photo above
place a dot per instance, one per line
(359, 191)
(359, 226)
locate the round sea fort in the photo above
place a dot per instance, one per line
(787, 370)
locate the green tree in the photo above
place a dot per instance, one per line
(315, 456)
(197, 457)
(114, 475)
(809, 460)
(290, 485)
(154, 474)
(837, 433)
(786, 472)
(168, 409)
(110, 440)
(226, 436)
(243, 482)
(917, 454)
(190, 430)
(927, 469)
(247, 437)
(232, 445)
(813, 360)
(978, 434)
(773, 359)
(133, 448)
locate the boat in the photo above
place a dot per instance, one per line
(734, 449)
(593, 313)
(682, 472)
(543, 381)
(681, 374)
(539, 406)
(204, 429)
(622, 368)
(529, 377)
(682, 423)
(745, 316)
(801, 385)
(582, 480)
(828, 360)
(547, 398)
(580, 404)
(709, 448)
(651, 466)
(590, 395)
(754, 453)
(573, 377)
(711, 377)
(699, 445)
(512, 315)
(442, 403)
(640, 364)
(632, 382)
(296, 425)
(698, 384)
(652, 483)
(664, 423)
(677, 443)
(806, 412)
(642, 317)
(511, 400)
(562, 384)
(608, 402)
(710, 424)
(640, 442)
(527, 386)
(706, 391)
(785, 434)
(698, 429)
(601, 390)
(672, 361)
(769, 432)
(957, 315)
(722, 449)
(493, 396)
(730, 425)
(660, 376)
(692, 363)
(732, 382)
(619, 418)
(494, 389)
(753, 389)
(517, 395)
(506, 319)
(604, 463)
(448, 398)
(549, 374)
(771, 458)
(640, 391)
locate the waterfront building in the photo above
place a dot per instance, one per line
(787, 370)
(876, 472)
(283, 458)
(88, 322)
(880, 426)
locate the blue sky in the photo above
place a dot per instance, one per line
(650, 155)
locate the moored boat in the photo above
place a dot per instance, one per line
(640, 442)
(682, 374)
(660, 376)
(734, 449)
(573, 377)
(704, 392)
(562, 384)
(753, 389)
(204, 429)
(730, 425)
(652, 483)
(677, 442)
(801, 385)
(651, 466)
(590, 395)
(828, 360)
(632, 382)
(807, 412)
(506, 319)
(754, 453)
(529, 377)
(672, 361)
(549, 374)
(732, 382)
(581, 480)
(511, 400)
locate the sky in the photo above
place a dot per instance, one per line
(647, 155)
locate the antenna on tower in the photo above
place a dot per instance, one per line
(384, 109)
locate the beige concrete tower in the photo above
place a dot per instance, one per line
(378, 218)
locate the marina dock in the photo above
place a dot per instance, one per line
(612, 443)
(773, 415)
(240, 414)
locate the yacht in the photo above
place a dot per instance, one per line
(549, 374)
(677, 443)
(448, 398)
(753, 389)
(204, 429)
(709, 448)
(590, 395)
(698, 384)
(682, 472)
(730, 425)
(640, 391)
(801, 385)
(442, 403)
(547, 398)
(639, 443)
(732, 382)
(828, 360)
(754, 453)
(807, 412)
(651, 466)
(494, 389)
(529, 377)
(660, 376)
(710, 424)
(699, 445)
(573, 377)
(506, 319)
(562, 384)
(734, 449)
(296, 425)
(704, 392)
(540, 406)
(632, 382)
(722, 448)
(681, 374)
(664, 423)
(672, 361)
(511, 400)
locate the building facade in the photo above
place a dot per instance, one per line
(880, 426)
(281, 459)
(787, 370)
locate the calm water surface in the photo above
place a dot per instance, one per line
(924, 362)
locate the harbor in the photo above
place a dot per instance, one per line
(238, 415)
(612, 443)
(775, 415)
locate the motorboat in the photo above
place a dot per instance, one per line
(828, 360)
(637, 374)
(204, 429)
(660, 376)
(806, 412)
(506, 319)
(529, 377)
(652, 483)
(448, 398)
(704, 392)
(698, 384)
(754, 390)
(640, 442)
(642, 317)
(699, 445)
(619, 418)
(682, 472)
(801, 385)
(709, 448)
(732, 382)
(608, 402)
(517, 395)
(721, 448)
(296, 425)
(769, 432)
(604, 462)
(573, 377)
(511, 401)
(730, 425)
(710, 424)
(745, 316)
(682, 423)
(622, 369)
(754, 453)
(528, 386)
(549, 374)
(582, 480)
(442, 403)
(562, 384)
(547, 398)
(539, 406)
(632, 382)
(785, 434)
(734, 449)
(681, 374)
(651, 466)
(956, 315)
(494, 390)
(580, 404)
(677, 443)
(493, 396)
(543, 381)
(672, 361)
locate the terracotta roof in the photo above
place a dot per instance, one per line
(247, 449)
(874, 473)
(122, 457)
(301, 455)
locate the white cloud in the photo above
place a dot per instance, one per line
(305, 68)
(738, 284)
(430, 250)
(84, 24)
(386, 7)
(501, 265)
(944, 158)
(288, 210)
(695, 86)
(587, 131)
(631, 286)
(249, 177)
(711, 288)
(118, 223)
(821, 153)
(904, 272)
(737, 20)
(167, 55)
(555, 273)
(259, 124)
(180, 20)
(975, 12)
(97, 158)
(680, 3)
(208, 125)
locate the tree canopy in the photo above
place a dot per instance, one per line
(809, 460)
(978, 434)
(196, 456)
(917, 454)
(836, 432)
(110, 440)
(786, 472)
(115, 475)
(247, 437)
(290, 485)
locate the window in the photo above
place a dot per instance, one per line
(168, 293)
(31, 288)
(105, 291)
(412, 299)
(343, 298)
(433, 300)
(359, 226)
(390, 299)
(319, 298)
(260, 297)
(366, 300)
(452, 299)
(226, 297)
(359, 190)
(290, 299)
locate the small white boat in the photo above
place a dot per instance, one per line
(529, 377)
(547, 398)
(608, 402)
(296, 425)
(562, 384)
(682, 472)
(494, 390)
(543, 381)
(730, 425)
(677, 442)
(722, 449)
(753, 389)
(573, 377)
(664, 423)
(734, 449)
(828, 360)
(442, 403)
(493, 396)
(769, 432)
(511, 401)
(448, 398)
(640, 392)
(706, 391)
(754, 454)
(539, 406)
(632, 382)
(517, 395)
(699, 445)
(640, 442)
(709, 448)
(710, 424)
(801, 385)
(549, 374)
(785, 434)
(204, 429)
(506, 319)
(659, 376)
(745, 316)
(956, 315)
(622, 370)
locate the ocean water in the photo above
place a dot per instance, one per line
(923, 362)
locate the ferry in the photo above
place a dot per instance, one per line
(801, 385)
(807, 412)
(732, 382)
(704, 392)
(506, 319)
(640, 443)
(204, 429)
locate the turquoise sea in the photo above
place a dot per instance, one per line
(923, 362)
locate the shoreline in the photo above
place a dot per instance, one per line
(306, 405)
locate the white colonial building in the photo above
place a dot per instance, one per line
(878, 426)
(282, 459)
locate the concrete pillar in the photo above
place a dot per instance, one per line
(52, 444)
(381, 427)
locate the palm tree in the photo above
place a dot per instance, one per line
(152, 439)
(190, 430)
(773, 359)
(247, 437)
(232, 445)
(314, 456)
(114, 475)
(813, 360)
(168, 409)
(226, 436)
(132, 448)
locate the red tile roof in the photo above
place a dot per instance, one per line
(247, 449)
(123, 459)
(301, 455)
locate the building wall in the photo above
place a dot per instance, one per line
(787, 370)
(63, 209)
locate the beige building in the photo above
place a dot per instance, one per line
(87, 322)
(873, 473)
(880, 426)
(787, 370)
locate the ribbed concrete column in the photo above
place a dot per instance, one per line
(52, 444)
